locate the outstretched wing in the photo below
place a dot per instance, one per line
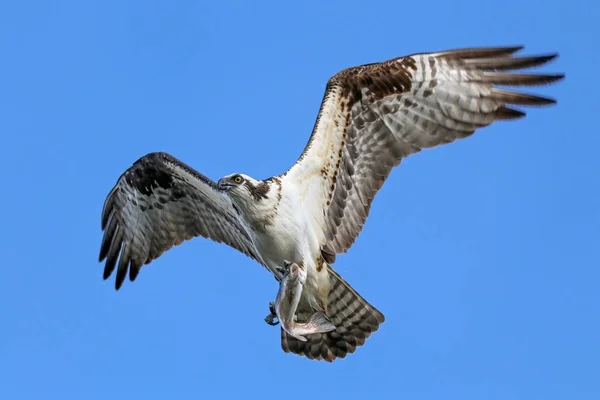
(160, 202)
(373, 116)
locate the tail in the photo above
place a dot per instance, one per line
(353, 317)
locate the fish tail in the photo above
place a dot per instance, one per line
(354, 319)
(317, 323)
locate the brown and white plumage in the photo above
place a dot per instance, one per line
(354, 318)
(160, 202)
(371, 117)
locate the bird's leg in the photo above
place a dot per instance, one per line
(270, 319)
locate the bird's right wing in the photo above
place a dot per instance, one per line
(160, 202)
(375, 115)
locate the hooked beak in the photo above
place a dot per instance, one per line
(224, 184)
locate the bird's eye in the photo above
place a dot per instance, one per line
(238, 179)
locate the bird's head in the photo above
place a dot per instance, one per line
(253, 198)
(233, 181)
(242, 187)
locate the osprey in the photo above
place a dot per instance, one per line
(371, 118)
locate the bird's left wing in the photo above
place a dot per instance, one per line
(374, 115)
(160, 202)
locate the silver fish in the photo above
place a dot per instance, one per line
(286, 303)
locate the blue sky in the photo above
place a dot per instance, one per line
(483, 254)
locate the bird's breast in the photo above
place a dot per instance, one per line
(280, 242)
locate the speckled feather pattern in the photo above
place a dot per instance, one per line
(160, 202)
(371, 118)
(375, 115)
(354, 318)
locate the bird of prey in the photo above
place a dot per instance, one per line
(371, 117)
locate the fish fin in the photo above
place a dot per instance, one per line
(294, 331)
(300, 338)
(319, 323)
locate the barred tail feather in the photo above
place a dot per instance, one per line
(354, 318)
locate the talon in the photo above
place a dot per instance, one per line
(270, 319)
(272, 308)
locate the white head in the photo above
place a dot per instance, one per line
(246, 192)
(231, 181)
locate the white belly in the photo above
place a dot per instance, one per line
(291, 236)
(296, 246)
(284, 240)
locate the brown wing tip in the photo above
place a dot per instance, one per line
(508, 79)
(540, 101)
(549, 78)
(121, 271)
(509, 113)
(538, 59)
(107, 273)
(480, 52)
(545, 58)
(555, 77)
(500, 58)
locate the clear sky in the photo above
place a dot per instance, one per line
(483, 254)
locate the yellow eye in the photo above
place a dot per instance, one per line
(238, 179)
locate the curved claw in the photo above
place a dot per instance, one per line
(272, 308)
(270, 319)
(279, 274)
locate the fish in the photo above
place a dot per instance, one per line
(286, 303)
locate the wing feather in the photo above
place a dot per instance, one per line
(372, 116)
(160, 202)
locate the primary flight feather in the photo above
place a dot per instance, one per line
(371, 117)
